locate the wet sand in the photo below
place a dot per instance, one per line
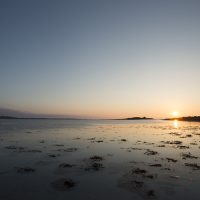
(83, 159)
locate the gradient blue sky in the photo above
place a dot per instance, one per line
(100, 58)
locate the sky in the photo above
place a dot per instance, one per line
(100, 58)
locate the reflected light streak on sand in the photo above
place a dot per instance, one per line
(175, 123)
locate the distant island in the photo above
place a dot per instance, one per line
(16, 114)
(137, 118)
(188, 119)
(7, 117)
(10, 117)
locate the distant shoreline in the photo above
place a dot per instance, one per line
(51, 118)
(136, 118)
(187, 119)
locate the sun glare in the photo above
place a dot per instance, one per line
(175, 113)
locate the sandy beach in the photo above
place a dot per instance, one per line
(99, 159)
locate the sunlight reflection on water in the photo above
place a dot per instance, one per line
(175, 122)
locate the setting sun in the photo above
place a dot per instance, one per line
(175, 113)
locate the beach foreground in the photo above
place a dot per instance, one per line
(99, 159)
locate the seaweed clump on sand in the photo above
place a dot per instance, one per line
(24, 169)
(70, 149)
(64, 184)
(150, 152)
(59, 145)
(30, 151)
(175, 133)
(138, 180)
(151, 193)
(188, 155)
(171, 160)
(182, 147)
(53, 155)
(172, 142)
(95, 163)
(96, 158)
(138, 184)
(99, 141)
(162, 145)
(66, 165)
(142, 173)
(12, 147)
(194, 166)
(94, 166)
(22, 149)
(155, 165)
(139, 171)
(69, 183)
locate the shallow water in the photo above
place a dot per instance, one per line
(140, 159)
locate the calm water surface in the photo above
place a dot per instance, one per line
(140, 159)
